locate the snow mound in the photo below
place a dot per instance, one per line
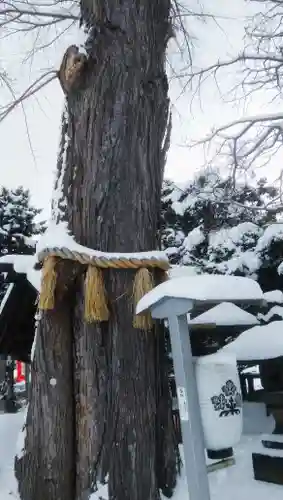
(274, 297)
(257, 343)
(206, 288)
(225, 314)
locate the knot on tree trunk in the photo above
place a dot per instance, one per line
(71, 69)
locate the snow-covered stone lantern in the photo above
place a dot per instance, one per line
(220, 400)
(212, 329)
(258, 344)
(218, 380)
(173, 300)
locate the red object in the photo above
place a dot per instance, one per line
(19, 368)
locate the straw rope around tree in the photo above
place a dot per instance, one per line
(96, 304)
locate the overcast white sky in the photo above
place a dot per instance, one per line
(43, 113)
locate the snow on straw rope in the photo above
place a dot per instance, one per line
(96, 307)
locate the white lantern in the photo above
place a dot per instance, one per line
(220, 403)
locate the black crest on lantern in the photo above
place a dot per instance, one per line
(229, 401)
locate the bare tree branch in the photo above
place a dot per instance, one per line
(34, 88)
(25, 14)
(248, 143)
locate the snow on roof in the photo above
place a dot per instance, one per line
(218, 358)
(259, 342)
(275, 297)
(58, 236)
(24, 264)
(274, 311)
(252, 369)
(225, 314)
(181, 271)
(206, 288)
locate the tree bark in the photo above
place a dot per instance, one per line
(117, 124)
(113, 188)
(45, 469)
(90, 395)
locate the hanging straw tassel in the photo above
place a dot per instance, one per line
(96, 308)
(48, 284)
(143, 284)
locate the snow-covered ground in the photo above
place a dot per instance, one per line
(236, 482)
(10, 427)
(233, 483)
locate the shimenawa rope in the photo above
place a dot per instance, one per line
(96, 303)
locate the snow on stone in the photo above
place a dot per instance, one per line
(205, 288)
(24, 264)
(57, 235)
(274, 297)
(259, 342)
(225, 314)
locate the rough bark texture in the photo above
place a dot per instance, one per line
(112, 184)
(90, 390)
(113, 187)
(45, 470)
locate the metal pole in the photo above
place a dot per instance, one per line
(192, 432)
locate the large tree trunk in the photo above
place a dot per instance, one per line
(45, 467)
(117, 123)
(113, 189)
